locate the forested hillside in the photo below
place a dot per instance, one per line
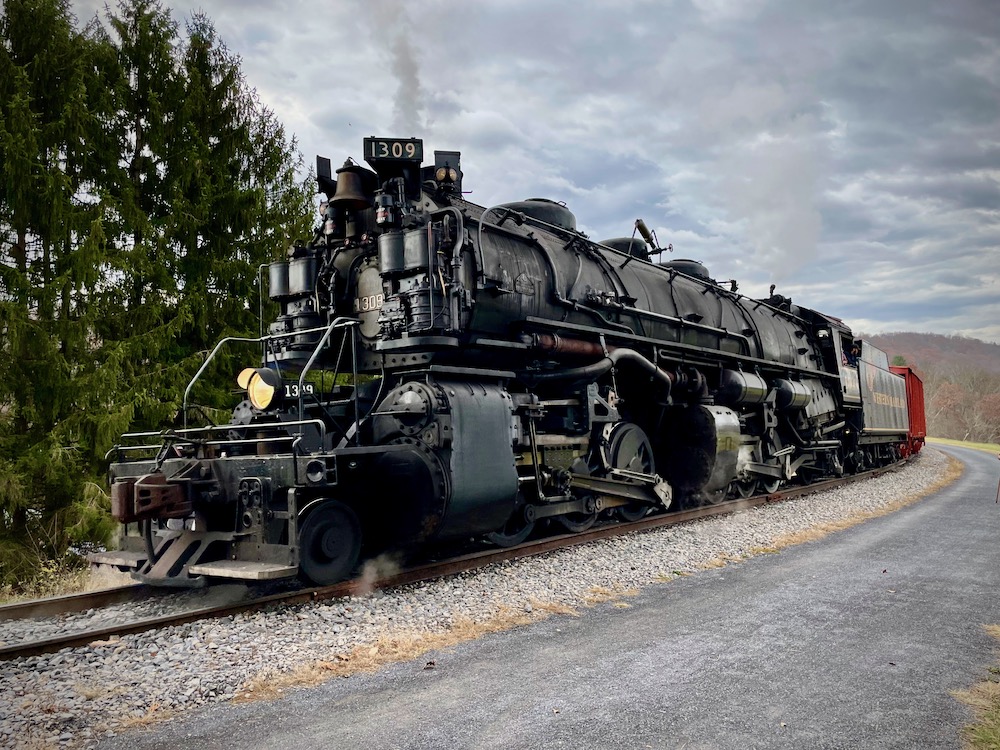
(142, 183)
(961, 381)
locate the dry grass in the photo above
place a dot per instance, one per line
(601, 594)
(103, 577)
(61, 581)
(552, 608)
(722, 561)
(90, 692)
(54, 580)
(988, 447)
(397, 647)
(153, 715)
(984, 700)
(665, 577)
(389, 648)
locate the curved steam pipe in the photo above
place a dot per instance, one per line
(603, 366)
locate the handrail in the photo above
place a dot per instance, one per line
(190, 431)
(337, 323)
(204, 364)
(258, 340)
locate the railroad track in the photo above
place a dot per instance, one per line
(56, 606)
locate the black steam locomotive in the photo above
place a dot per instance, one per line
(440, 370)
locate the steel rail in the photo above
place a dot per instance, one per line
(431, 570)
(52, 606)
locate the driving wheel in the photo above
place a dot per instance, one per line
(630, 449)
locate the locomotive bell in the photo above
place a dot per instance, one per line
(349, 193)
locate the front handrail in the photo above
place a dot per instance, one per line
(327, 330)
(337, 322)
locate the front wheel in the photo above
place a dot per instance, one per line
(329, 542)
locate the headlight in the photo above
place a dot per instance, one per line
(446, 174)
(263, 385)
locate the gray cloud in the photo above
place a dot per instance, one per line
(849, 152)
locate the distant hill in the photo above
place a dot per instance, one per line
(934, 351)
(961, 381)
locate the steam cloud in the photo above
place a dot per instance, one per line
(392, 26)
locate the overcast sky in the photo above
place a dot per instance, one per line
(848, 152)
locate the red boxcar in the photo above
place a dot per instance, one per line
(915, 407)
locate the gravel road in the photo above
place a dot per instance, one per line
(851, 641)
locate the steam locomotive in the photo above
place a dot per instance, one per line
(441, 370)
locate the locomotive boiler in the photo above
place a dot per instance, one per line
(441, 370)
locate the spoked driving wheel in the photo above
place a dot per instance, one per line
(632, 511)
(329, 542)
(576, 522)
(769, 486)
(630, 449)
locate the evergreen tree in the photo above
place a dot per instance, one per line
(50, 248)
(141, 185)
(207, 192)
(235, 203)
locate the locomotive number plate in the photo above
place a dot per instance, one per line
(394, 149)
(368, 302)
(292, 389)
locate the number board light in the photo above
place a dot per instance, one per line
(394, 149)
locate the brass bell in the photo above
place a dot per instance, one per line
(349, 193)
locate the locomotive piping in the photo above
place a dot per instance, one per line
(601, 367)
(692, 352)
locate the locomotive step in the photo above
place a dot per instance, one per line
(254, 571)
(119, 558)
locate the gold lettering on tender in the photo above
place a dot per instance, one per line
(884, 399)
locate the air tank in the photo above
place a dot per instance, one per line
(741, 388)
(791, 394)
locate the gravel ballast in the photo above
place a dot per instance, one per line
(77, 696)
